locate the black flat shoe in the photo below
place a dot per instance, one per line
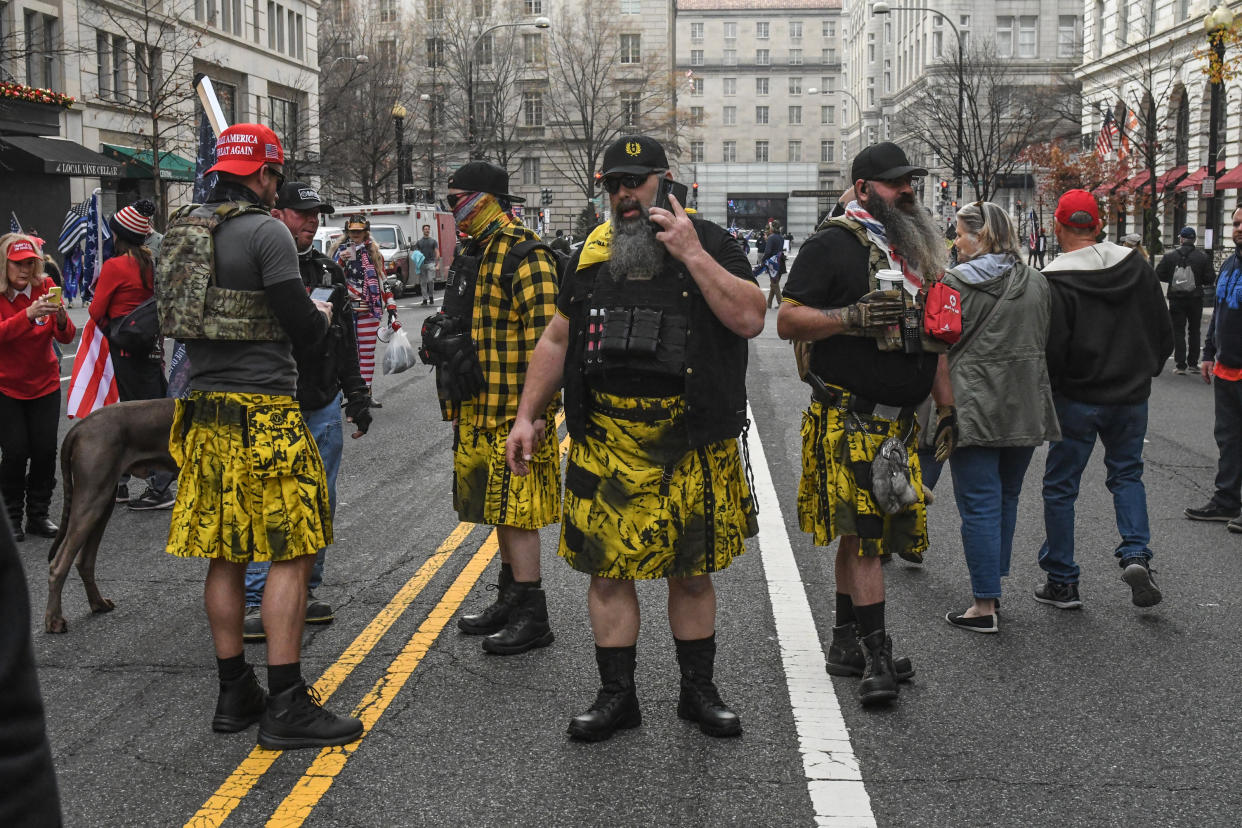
(979, 624)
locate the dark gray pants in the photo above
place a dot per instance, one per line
(1228, 435)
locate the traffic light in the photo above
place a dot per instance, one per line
(944, 191)
(546, 196)
(695, 194)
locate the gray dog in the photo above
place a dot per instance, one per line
(128, 436)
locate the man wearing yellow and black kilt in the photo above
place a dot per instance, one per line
(650, 343)
(252, 485)
(865, 386)
(499, 299)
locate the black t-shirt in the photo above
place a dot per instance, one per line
(831, 271)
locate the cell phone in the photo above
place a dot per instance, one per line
(667, 186)
(53, 294)
(322, 294)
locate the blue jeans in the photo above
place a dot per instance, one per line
(325, 426)
(1121, 428)
(930, 467)
(986, 485)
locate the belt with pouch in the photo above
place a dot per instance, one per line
(836, 397)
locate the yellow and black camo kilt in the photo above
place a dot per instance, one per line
(640, 504)
(252, 485)
(485, 491)
(830, 501)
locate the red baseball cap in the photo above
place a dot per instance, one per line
(1077, 208)
(243, 148)
(23, 249)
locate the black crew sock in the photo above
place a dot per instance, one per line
(280, 677)
(535, 584)
(231, 669)
(845, 609)
(870, 618)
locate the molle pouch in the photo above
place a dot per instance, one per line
(645, 332)
(274, 437)
(616, 334)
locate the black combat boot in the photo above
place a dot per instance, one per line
(37, 505)
(492, 619)
(879, 681)
(700, 702)
(295, 718)
(616, 705)
(846, 657)
(241, 703)
(528, 623)
(13, 505)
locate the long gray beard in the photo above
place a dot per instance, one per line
(914, 235)
(635, 252)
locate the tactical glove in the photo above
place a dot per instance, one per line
(946, 431)
(877, 309)
(461, 377)
(358, 410)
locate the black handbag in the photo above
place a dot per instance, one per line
(137, 331)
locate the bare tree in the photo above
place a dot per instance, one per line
(160, 101)
(1004, 112)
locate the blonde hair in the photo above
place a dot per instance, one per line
(6, 242)
(990, 225)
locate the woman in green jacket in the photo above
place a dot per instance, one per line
(1002, 393)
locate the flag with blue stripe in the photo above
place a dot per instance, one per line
(74, 229)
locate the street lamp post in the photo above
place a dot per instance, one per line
(431, 146)
(1214, 24)
(857, 108)
(885, 8)
(354, 58)
(538, 23)
(398, 121)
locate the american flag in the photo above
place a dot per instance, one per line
(91, 260)
(92, 384)
(74, 228)
(15, 226)
(1104, 144)
(203, 180)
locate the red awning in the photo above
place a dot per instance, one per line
(1196, 177)
(1105, 189)
(1138, 181)
(1170, 178)
(1231, 180)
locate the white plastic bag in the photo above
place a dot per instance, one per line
(400, 354)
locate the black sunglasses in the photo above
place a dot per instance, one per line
(631, 181)
(280, 176)
(454, 199)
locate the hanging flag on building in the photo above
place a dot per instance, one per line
(1132, 128)
(1108, 133)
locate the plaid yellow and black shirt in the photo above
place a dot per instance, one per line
(509, 317)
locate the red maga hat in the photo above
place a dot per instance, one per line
(243, 148)
(23, 249)
(1077, 208)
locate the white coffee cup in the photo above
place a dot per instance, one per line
(889, 279)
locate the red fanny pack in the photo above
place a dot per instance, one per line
(942, 317)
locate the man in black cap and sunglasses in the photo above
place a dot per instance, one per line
(650, 343)
(501, 294)
(865, 386)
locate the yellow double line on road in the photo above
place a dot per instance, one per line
(307, 792)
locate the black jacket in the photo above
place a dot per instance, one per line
(1224, 336)
(331, 364)
(1110, 331)
(1199, 261)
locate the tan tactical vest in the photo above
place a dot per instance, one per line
(191, 305)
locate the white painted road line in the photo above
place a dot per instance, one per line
(833, 778)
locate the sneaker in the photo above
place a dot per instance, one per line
(1235, 525)
(296, 719)
(1137, 574)
(1181, 369)
(1193, 369)
(1061, 596)
(318, 612)
(122, 494)
(1212, 512)
(149, 500)
(252, 626)
(979, 623)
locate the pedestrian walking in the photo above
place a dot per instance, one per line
(31, 318)
(501, 297)
(1002, 395)
(125, 282)
(1188, 270)
(427, 273)
(1222, 369)
(1110, 334)
(865, 390)
(655, 487)
(328, 378)
(1041, 246)
(360, 257)
(252, 485)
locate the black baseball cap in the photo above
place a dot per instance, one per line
(883, 162)
(298, 196)
(482, 177)
(634, 154)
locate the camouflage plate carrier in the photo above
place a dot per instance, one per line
(191, 305)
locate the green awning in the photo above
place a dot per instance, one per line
(136, 163)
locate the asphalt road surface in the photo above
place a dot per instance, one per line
(1108, 716)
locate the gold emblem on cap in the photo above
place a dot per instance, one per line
(633, 148)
